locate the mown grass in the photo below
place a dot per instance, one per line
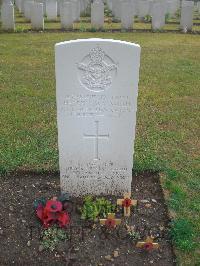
(167, 138)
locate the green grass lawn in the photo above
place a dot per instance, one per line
(167, 119)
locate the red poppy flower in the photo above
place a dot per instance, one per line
(148, 246)
(110, 223)
(126, 203)
(53, 206)
(39, 211)
(52, 213)
(63, 219)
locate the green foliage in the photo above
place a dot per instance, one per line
(96, 208)
(19, 29)
(167, 17)
(37, 202)
(147, 18)
(133, 235)
(64, 197)
(52, 236)
(82, 27)
(108, 13)
(182, 234)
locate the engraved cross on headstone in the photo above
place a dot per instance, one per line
(96, 137)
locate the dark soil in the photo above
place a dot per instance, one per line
(20, 231)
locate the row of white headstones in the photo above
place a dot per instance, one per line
(123, 10)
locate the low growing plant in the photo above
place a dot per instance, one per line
(95, 208)
(52, 236)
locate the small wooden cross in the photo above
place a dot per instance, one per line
(148, 244)
(111, 221)
(127, 202)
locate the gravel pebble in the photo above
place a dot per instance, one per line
(41, 248)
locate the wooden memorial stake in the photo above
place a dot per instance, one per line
(111, 221)
(127, 202)
(148, 244)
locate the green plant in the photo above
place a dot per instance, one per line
(52, 236)
(93, 29)
(20, 29)
(92, 209)
(182, 233)
(167, 17)
(82, 27)
(147, 18)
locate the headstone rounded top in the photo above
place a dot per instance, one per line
(78, 41)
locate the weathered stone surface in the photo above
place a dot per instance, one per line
(97, 86)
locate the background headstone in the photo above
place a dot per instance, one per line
(97, 14)
(37, 19)
(97, 87)
(158, 16)
(7, 16)
(66, 16)
(51, 9)
(186, 22)
(126, 16)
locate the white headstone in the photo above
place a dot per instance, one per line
(97, 87)
(186, 22)
(127, 16)
(97, 14)
(158, 16)
(66, 16)
(18, 4)
(27, 9)
(198, 7)
(37, 19)
(22, 5)
(44, 5)
(143, 6)
(51, 9)
(7, 16)
(76, 10)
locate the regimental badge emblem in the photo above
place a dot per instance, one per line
(97, 70)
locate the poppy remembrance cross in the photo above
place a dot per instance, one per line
(148, 244)
(111, 221)
(127, 202)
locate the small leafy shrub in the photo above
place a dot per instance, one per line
(92, 209)
(93, 29)
(82, 28)
(20, 29)
(52, 236)
(132, 234)
(182, 234)
(167, 17)
(147, 18)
